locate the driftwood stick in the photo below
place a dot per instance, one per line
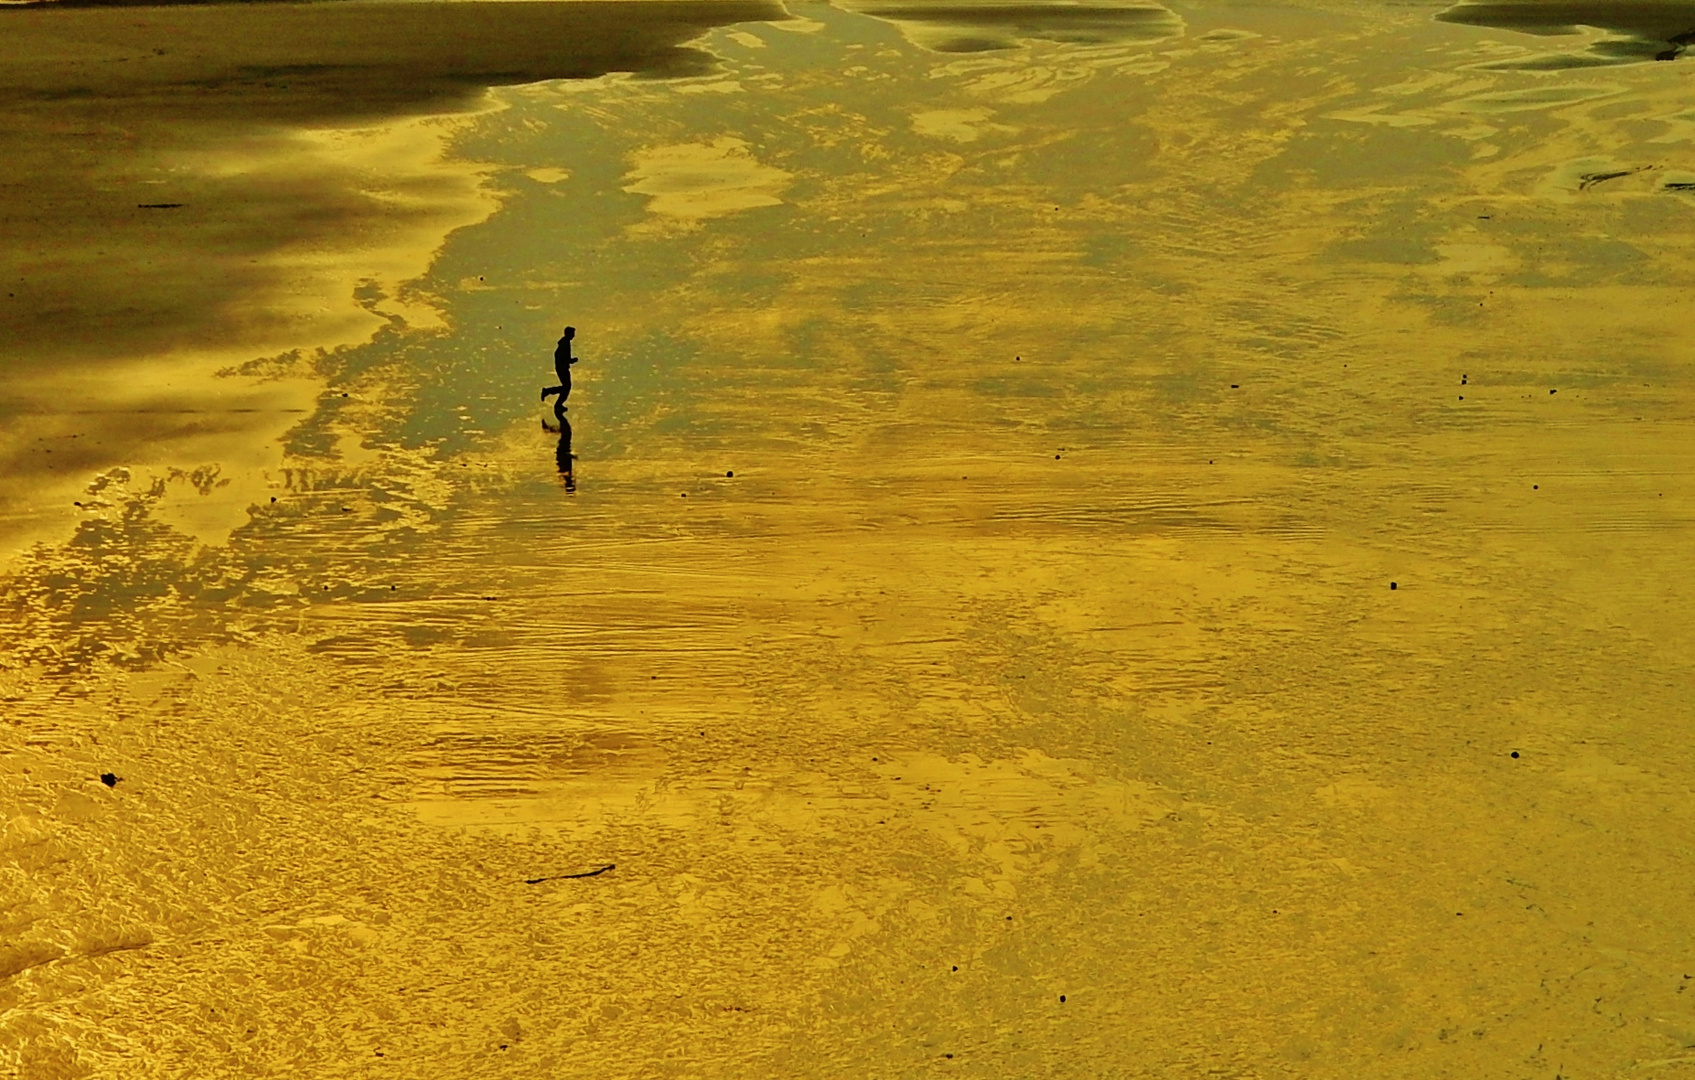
(566, 877)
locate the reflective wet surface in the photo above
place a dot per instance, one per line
(1139, 542)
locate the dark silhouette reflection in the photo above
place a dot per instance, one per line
(563, 456)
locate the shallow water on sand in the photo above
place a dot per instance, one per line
(1158, 550)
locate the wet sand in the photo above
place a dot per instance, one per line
(193, 188)
(1146, 557)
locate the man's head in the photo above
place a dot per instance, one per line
(570, 332)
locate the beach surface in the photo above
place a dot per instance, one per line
(1104, 540)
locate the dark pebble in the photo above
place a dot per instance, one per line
(1062, 999)
(729, 474)
(1393, 586)
(110, 779)
(1515, 753)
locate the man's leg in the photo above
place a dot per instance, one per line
(549, 391)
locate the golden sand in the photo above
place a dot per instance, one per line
(1129, 554)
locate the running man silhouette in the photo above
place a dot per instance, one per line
(562, 361)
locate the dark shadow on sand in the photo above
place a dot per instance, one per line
(97, 261)
(984, 27)
(1639, 31)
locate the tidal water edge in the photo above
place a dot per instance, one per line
(1103, 540)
